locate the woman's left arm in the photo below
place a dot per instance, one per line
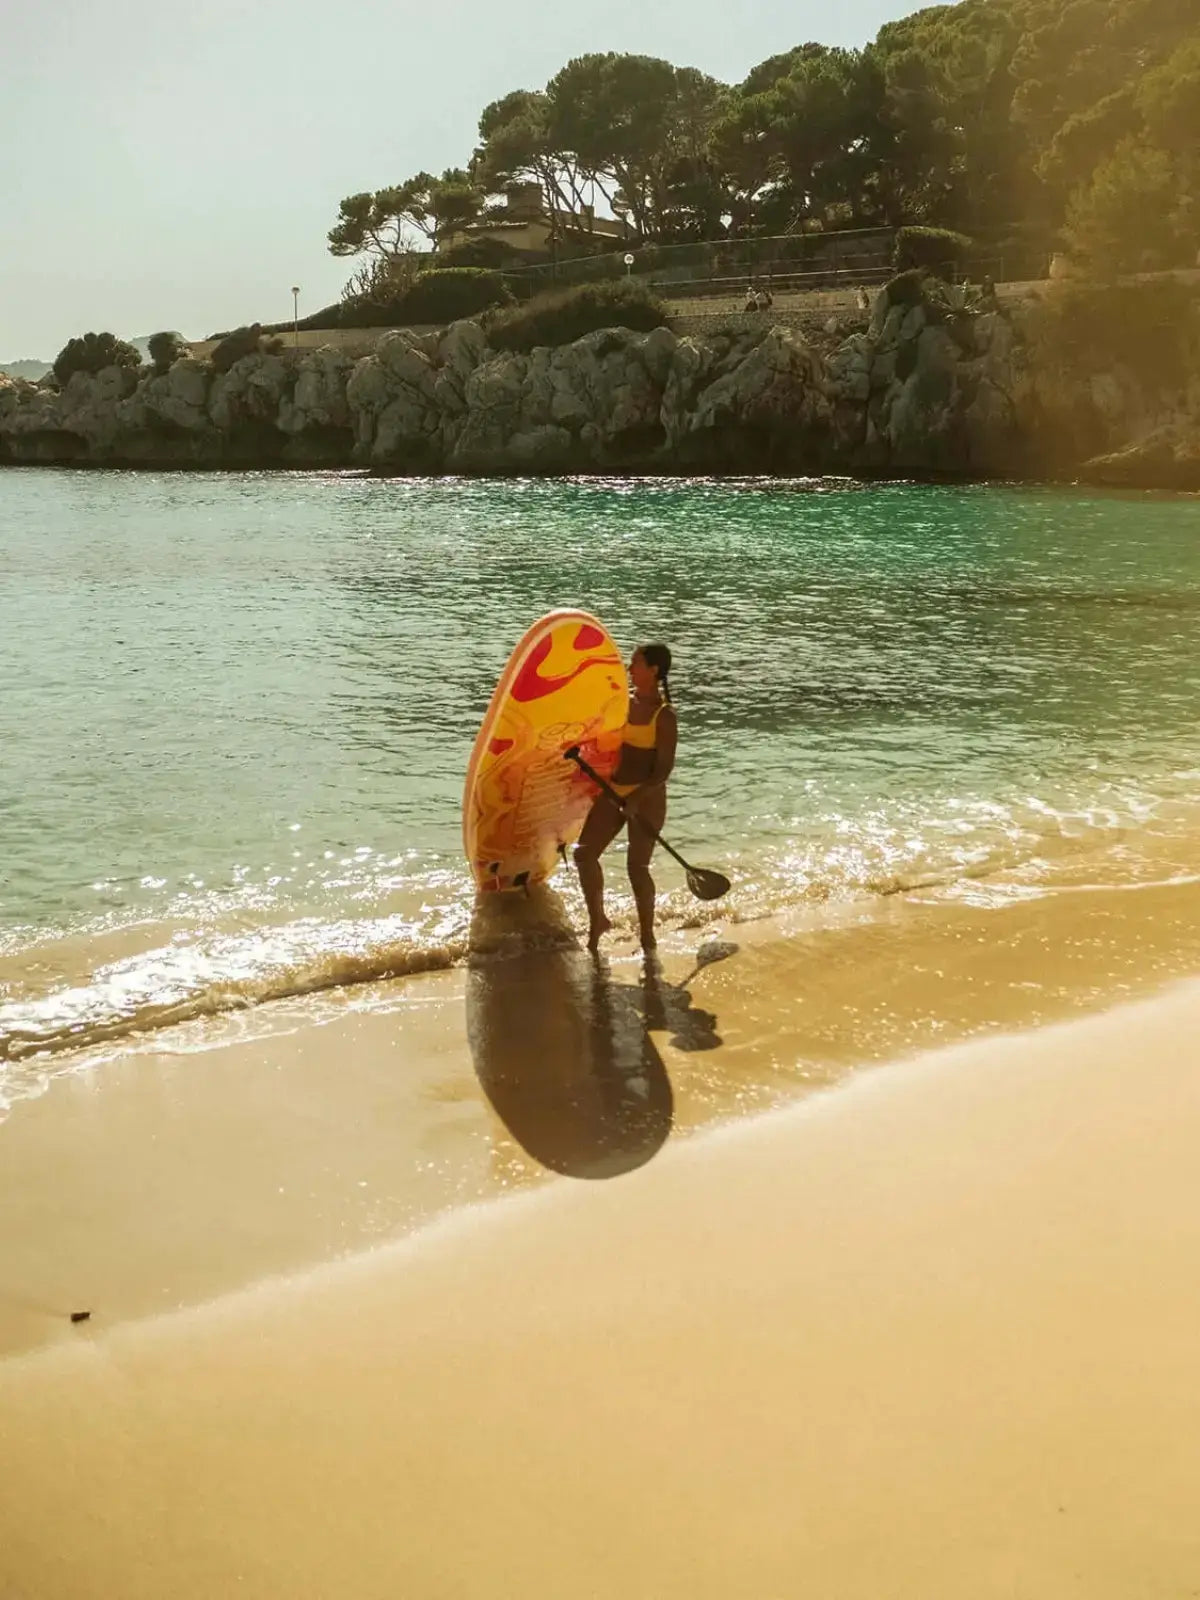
(665, 744)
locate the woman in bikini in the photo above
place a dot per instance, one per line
(647, 756)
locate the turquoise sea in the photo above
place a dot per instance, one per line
(235, 711)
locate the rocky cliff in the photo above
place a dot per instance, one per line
(923, 387)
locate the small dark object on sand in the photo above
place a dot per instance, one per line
(80, 1316)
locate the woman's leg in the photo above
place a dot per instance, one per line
(604, 822)
(653, 809)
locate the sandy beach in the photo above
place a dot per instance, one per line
(830, 659)
(926, 1329)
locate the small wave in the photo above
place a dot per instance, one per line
(205, 977)
(197, 975)
(84, 997)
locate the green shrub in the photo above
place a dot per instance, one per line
(1022, 251)
(93, 353)
(567, 314)
(1152, 328)
(371, 311)
(447, 293)
(365, 311)
(241, 342)
(1128, 217)
(939, 252)
(906, 288)
(439, 295)
(165, 350)
(442, 294)
(483, 252)
(326, 317)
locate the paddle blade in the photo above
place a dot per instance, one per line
(707, 885)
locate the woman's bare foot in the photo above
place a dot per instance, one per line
(597, 931)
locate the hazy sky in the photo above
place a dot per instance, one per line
(175, 165)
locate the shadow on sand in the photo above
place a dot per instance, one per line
(667, 1007)
(562, 1052)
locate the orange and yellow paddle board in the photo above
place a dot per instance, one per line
(565, 684)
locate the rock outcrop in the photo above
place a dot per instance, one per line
(928, 385)
(1168, 457)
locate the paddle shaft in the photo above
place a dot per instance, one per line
(573, 755)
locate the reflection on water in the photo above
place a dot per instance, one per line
(266, 688)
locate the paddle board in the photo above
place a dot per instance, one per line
(523, 804)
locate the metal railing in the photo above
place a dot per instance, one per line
(694, 261)
(777, 283)
(787, 263)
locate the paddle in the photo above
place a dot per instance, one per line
(705, 885)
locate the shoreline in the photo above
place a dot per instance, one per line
(1186, 483)
(930, 1332)
(916, 387)
(282, 1136)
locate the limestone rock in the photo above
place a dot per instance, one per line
(777, 386)
(657, 352)
(89, 403)
(917, 391)
(911, 324)
(883, 369)
(460, 350)
(179, 397)
(404, 357)
(1166, 458)
(611, 383)
(994, 428)
(16, 394)
(250, 392)
(26, 408)
(318, 400)
(493, 396)
(994, 334)
(919, 421)
(406, 399)
(849, 368)
(542, 448)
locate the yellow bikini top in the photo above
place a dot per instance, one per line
(642, 735)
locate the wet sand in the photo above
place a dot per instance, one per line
(212, 1155)
(931, 1333)
(921, 1330)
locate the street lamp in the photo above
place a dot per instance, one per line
(296, 316)
(628, 263)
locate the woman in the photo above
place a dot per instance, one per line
(643, 767)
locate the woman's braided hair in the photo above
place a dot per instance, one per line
(659, 657)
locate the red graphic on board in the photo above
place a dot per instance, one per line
(529, 683)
